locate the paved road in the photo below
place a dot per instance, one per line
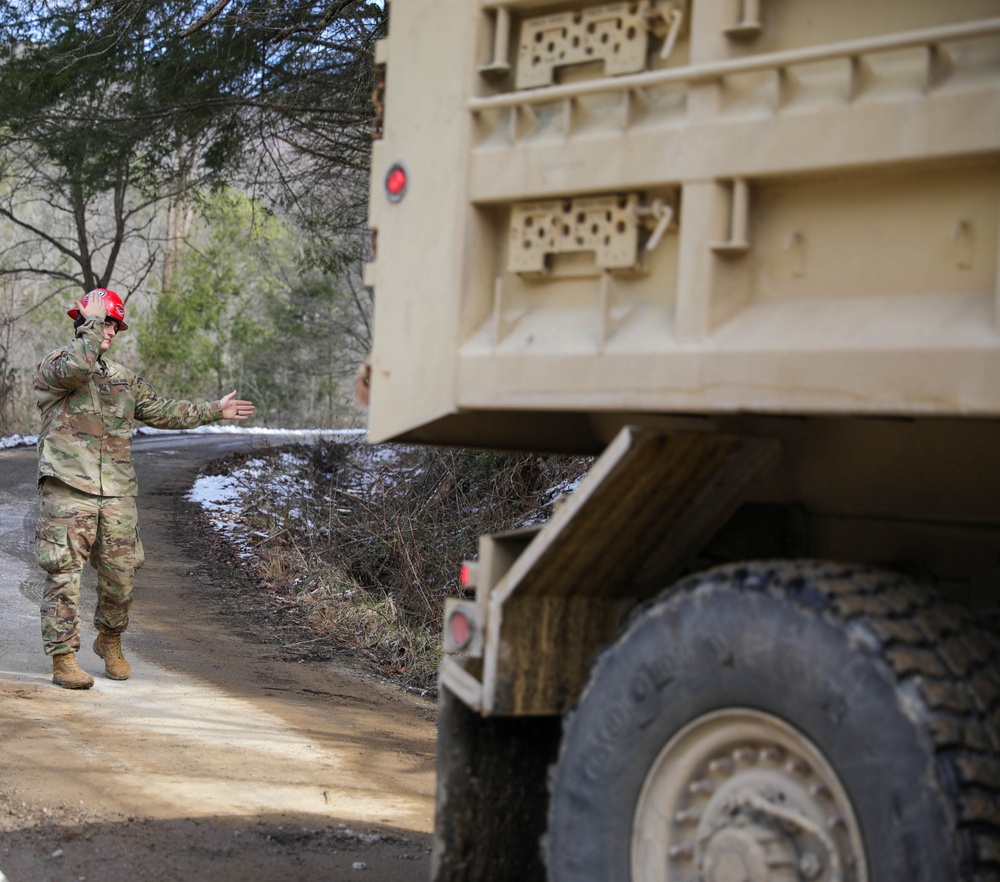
(165, 464)
(20, 577)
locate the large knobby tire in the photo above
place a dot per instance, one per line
(778, 722)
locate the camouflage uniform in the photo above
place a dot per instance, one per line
(89, 406)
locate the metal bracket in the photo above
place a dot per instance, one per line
(498, 67)
(606, 225)
(464, 685)
(738, 243)
(749, 26)
(617, 34)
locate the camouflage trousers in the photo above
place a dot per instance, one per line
(73, 527)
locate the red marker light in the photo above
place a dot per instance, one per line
(395, 183)
(469, 575)
(459, 629)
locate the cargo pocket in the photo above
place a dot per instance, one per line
(52, 547)
(140, 552)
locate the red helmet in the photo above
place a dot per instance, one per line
(112, 303)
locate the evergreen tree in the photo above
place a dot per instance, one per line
(120, 115)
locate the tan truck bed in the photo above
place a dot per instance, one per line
(794, 212)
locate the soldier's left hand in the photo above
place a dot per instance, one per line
(234, 409)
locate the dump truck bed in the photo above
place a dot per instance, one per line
(683, 208)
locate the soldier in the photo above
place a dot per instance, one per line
(87, 482)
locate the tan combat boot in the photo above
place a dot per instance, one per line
(109, 647)
(68, 674)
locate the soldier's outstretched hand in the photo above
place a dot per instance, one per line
(234, 409)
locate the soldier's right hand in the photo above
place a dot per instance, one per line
(91, 306)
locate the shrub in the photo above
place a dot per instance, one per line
(369, 539)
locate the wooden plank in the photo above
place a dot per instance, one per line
(547, 645)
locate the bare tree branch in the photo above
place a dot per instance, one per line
(206, 19)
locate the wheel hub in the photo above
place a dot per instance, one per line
(746, 853)
(740, 796)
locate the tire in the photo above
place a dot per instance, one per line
(785, 721)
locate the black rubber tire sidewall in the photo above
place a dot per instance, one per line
(717, 647)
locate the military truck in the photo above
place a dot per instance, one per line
(745, 252)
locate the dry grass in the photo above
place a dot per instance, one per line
(368, 541)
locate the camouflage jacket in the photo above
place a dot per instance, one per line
(89, 406)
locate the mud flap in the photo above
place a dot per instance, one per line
(492, 794)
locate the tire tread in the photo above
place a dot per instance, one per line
(945, 662)
(939, 654)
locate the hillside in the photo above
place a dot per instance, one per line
(358, 545)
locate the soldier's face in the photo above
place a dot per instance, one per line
(110, 329)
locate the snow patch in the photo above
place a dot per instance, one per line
(224, 498)
(18, 441)
(215, 429)
(30, 440)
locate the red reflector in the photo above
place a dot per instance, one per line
(395, 183)
(464, 576)
(459, 629)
